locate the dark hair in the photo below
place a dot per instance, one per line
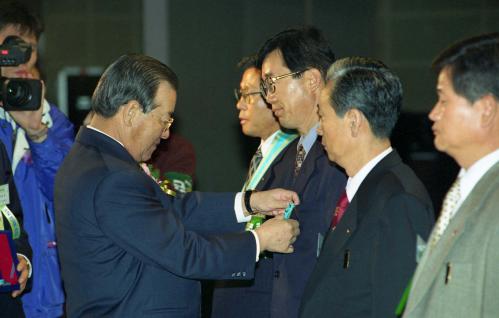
(474, 66)
(367, 85)
(301, 49)
(131, 77)
(247, 62)
(16, 14)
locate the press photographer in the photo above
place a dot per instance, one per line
(18, 93)
(37, 136)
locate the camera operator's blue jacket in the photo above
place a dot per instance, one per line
(34, 166)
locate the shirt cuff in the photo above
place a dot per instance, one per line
(31, 267)
(238, 207)
(257, 245)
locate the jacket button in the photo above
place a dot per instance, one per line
(276, 274)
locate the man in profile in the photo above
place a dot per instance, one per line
(126, 248)
(458, 275)
(294, 63)
(257, 120)
(369, 254)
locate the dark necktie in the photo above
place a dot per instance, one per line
(300, 157)
(340, 209)
(255, 162)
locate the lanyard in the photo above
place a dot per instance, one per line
(280, 141)
(14, 224)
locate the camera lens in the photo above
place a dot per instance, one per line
(18, 93)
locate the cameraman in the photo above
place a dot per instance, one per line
(36, 142)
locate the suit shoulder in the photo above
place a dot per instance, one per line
(401, 179)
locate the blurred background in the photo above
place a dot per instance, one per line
(203, 41)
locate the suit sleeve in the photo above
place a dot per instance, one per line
(490, 293)
(208, 213)
(131, 214)
(404, 219)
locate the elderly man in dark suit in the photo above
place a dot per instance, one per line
(369, 254)
(129, 250)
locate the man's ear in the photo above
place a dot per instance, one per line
(313, 79)
(130, 111)
(355, 120)
(488, 106)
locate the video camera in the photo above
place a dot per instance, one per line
(18, 93)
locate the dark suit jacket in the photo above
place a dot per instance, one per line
(129, 250)
(319, 184)
(12, 307)
(368, 260)
(228, 295)
(279, 282)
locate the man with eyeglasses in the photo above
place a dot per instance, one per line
(126, 248)
(257, 120)
(294, 65)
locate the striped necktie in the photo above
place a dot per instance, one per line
(300, 157)
(255, 162)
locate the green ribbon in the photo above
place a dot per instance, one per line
(281, 140)
(403, 301)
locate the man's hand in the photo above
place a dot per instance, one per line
(23, 268)
(272, 202)
(278, 235)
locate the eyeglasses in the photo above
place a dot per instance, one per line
(166, 124)
(268, 84)
(245, 96)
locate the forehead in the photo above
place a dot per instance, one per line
(250, 78)
(274, 64)
(15, 30)
(444, 80)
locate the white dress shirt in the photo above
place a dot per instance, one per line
(354, 182)
(471, 176)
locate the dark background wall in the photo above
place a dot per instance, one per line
(205, 39)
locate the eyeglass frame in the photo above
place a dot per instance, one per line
(165, 123)
(238, 95)
(264, 85)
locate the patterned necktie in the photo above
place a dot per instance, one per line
(448, 210)
(300, 157)
(255, 162)
(340, 209)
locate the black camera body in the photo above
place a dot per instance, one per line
(18, 94)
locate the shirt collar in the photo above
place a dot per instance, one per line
(354, 182)
(265, 144)
(471, 176)
(308, 140)
(100, 131)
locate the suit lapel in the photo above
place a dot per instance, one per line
(434, 257)
(337, 239)
(308, 167)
